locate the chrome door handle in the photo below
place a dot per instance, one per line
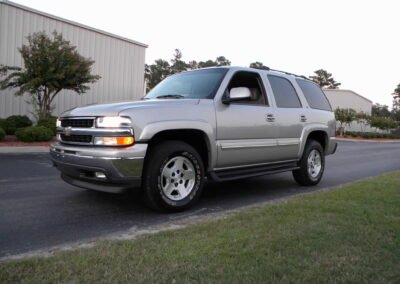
(270, 118)
(303, 118)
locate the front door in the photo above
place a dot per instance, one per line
(247, 132)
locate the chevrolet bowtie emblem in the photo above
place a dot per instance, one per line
(67, 131)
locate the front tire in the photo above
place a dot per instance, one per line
(173, 177)
(312, 165)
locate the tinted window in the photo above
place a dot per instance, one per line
(314, 95)
(284, 92)
(194, 85)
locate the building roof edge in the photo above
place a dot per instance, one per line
(346, 90)
(28, 9)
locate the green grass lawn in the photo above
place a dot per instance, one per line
(349, 234)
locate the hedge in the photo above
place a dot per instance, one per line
(14, 122)
(2, 134)
(368, 135)
(49, 122)
(34, 133)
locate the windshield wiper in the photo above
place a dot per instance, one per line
(170, 96)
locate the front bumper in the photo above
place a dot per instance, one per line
(108, 169)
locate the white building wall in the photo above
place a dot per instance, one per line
(120, 62)
(348, 99)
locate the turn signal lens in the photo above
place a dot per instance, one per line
(114, 141)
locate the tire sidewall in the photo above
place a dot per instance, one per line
(198, 182)
(152, 185)
(314, 146)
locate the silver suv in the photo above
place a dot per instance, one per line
(219, 123)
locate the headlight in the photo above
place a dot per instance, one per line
(58, 122)
(114, 141)
(113, 122)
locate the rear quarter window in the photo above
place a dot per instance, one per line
(284, 92)
(314, 95)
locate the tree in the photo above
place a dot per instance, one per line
(344, 117)
(363, 120)
(156, 72)
(50, 66)
(380, 110)
(193, 65)
(222, 61)
(258, 65)
(160, 69)
(396, 98)
(208, 63)
(324, 79)
(219, 61)
(383, 123)
(177, 64)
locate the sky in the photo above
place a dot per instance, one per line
(357, 41)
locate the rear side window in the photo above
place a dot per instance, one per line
(314, 95)
(284, 92)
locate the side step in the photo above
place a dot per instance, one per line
(239, 173)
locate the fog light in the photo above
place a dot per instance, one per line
(100, 175)
(114, 141)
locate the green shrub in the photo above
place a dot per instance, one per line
(48, 122)
(369, 135)
(3, 123)
(2, 134)
(15, 122)
(34, 133)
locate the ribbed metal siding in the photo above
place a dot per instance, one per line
(118, 62)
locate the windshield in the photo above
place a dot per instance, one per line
(199, 84)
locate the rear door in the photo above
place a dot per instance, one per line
(290, 116)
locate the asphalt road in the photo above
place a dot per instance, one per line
(38, 210)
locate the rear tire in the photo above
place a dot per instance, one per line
(312, 165)
(174, 176)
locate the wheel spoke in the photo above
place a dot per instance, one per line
(314, 163)
(169, 188)
(167, 172)
(188, 174)
(181, 190)
(179, 178)
(179, 164)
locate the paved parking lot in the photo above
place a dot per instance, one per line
(38, 210)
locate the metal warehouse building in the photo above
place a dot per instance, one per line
(119, 61)
(348, 99)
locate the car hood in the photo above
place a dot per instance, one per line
(114, 109)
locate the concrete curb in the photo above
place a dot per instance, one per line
(367, 140)
(23, 149)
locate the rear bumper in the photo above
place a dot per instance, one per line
(100, 168)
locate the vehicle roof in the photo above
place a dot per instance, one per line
(268, 71)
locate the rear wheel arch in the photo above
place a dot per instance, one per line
(319, 136)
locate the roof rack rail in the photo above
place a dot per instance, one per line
(288, 73)
(261, 68)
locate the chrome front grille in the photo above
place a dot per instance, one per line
(76, 138)
(78, 122)
(82, 131)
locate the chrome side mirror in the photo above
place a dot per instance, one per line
(236, 95)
